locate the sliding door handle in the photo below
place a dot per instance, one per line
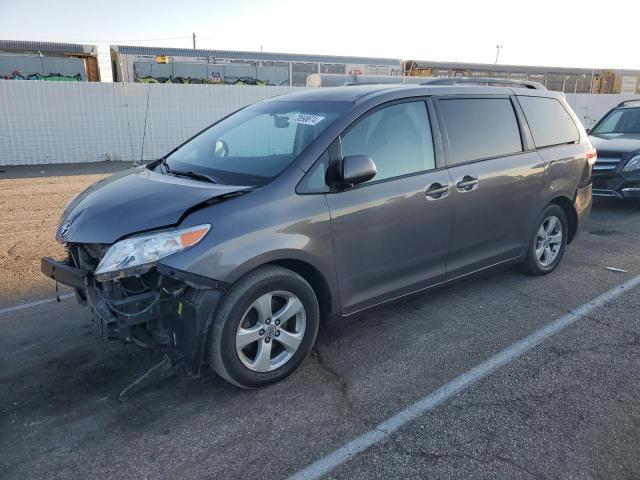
(467, 183)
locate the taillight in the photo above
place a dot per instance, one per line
(592, 156)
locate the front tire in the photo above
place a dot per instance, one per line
(548, 242)
(264, 327)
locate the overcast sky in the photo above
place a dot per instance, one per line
(549, 33)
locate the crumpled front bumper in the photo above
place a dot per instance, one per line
(113, 325)
(186, 317)
(63, 272)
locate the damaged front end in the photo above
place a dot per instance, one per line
(148, 304)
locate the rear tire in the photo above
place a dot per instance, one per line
(264, 327)
(548, 242)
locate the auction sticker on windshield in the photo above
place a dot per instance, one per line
(307, 119)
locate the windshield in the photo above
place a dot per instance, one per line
(625, 120)
(255, 144)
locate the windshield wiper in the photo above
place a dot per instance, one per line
(189, 173)
(194, 175)
(163, 163)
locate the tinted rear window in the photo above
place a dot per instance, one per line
(549, 121)
(480, 128)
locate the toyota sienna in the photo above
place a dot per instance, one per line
(231, 249)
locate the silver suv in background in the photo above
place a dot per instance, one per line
(231, 249)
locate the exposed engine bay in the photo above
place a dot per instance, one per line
(127, 308)
(159, 309)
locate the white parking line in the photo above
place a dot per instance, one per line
(22, 306)
(382, 431)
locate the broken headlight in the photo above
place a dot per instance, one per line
(138, 254)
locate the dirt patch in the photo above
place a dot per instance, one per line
(31, 208)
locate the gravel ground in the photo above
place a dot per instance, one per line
(32, 199)
(569, 408)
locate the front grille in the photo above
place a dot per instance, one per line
(86, 256)
(606, 164)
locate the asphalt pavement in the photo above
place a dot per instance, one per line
(567, 408)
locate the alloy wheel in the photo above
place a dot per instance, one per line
(548, 241)
(270, 331)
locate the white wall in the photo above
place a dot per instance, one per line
(50, 122)
(590, 108)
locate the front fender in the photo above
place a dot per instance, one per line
(254, 230)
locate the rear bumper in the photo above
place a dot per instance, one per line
(582, 205)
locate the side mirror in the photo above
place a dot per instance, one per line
(358, 169)
(220, 149)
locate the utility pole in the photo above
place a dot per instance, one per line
(194, 41)
(41, 63)
(498, 48)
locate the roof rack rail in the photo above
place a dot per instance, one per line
(484, 81)
(626, 102)
(342, 80)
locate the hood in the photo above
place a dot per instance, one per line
(133, 201)
(616, 143)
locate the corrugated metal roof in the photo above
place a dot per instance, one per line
(245, 55)
(490, 67)
(50, 47)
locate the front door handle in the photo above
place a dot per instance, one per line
(436, 191)
(467, 183)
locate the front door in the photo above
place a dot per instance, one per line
(391, 234)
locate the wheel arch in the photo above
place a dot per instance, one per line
(572, 216)
(316, 274)
(315, 278)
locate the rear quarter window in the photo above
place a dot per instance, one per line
(549, 121)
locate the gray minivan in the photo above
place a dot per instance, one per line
(232, 248)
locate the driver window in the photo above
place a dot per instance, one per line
(397, 138)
